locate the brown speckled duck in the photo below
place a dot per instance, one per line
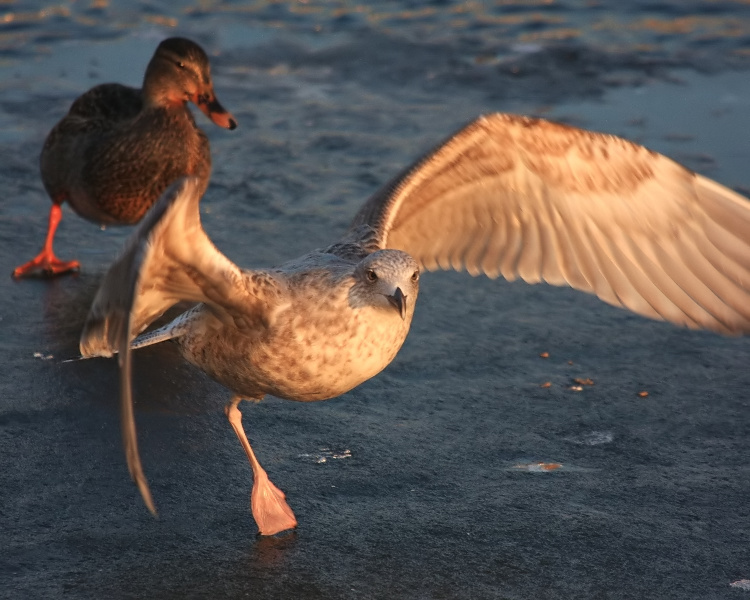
(119, 147)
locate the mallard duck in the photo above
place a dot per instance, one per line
(119, 147)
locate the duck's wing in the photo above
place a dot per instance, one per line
(528, 198)
(169, 258)
(111, 102)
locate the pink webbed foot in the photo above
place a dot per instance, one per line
(268, 503)
(270, 509)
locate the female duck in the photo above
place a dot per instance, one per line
(119, 147)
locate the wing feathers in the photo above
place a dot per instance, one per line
(725, 207)
(476, 248)
(528, 198)
(490, 262)
(167, 259)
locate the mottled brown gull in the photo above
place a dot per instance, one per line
(506, 195)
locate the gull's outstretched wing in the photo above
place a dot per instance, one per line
(168, 258)
(528, 198)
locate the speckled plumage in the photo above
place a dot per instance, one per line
(320, 342)
(506, 195)
(118, 148)
(311, 329)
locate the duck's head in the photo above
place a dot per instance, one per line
(180, 72)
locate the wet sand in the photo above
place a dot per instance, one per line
(412, 485)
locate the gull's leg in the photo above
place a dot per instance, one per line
(270, 510)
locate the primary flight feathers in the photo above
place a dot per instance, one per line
(528, 198)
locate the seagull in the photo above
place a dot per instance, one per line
(506, 195)
(119, 147)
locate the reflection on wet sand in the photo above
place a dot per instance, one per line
(270, 551)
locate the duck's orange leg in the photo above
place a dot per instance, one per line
(46, 263)
(270, 510)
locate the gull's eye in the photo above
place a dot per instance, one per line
(372, 276)
(415, 276)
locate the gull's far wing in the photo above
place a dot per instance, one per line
(168, 258)
(528, 198)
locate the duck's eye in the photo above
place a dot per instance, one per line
(415, 276)
(180, 64)
(372, 276)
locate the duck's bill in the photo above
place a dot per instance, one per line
(215, 111)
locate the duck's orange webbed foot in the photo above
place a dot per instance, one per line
(46, 265)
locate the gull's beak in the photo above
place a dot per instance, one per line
(211, 107)
(398, 300)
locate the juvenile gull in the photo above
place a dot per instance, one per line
(119, 147)
(506, 195)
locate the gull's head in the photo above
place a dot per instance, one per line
(388, 279)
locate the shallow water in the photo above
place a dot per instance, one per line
(420, 495)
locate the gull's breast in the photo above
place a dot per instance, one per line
(319, 359)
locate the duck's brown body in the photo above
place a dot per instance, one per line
(119, 147)
(112, 165)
